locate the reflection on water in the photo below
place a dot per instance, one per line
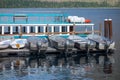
(10, 71)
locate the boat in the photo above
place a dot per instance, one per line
(5, 44)
(18, 43)
(61, 43)
(36, 43)
(102, 43)
(81, 43)
(58, 30)
(77, 19)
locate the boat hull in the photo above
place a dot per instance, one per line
(102, 43)
(5, 44)
(36, 43)
(20, 42)
(61, 43)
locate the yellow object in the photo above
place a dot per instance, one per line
(18, 45)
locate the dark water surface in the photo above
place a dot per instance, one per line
(97, 16)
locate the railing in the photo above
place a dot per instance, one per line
(50, 33)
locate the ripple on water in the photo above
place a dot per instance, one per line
(45, 73)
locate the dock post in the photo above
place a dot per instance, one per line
(110, 28)
(106, 27)
(100, 29)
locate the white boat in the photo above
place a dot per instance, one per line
(101, 42)
(20, 42)
(5, 44)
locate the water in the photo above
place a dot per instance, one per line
(46, 73)
(71, 71)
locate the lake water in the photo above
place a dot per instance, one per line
(76, 72)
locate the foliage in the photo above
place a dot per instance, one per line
(46, 4)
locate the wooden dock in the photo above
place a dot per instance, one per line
(26, 51)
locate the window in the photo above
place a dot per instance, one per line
(32, 29)
(64, 28)
(40, 29)
(56, 28)
(7, 29)
(24, 29)
(15, 30)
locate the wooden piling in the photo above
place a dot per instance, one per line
(100, 29)
(110, 28)
(106, 27)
